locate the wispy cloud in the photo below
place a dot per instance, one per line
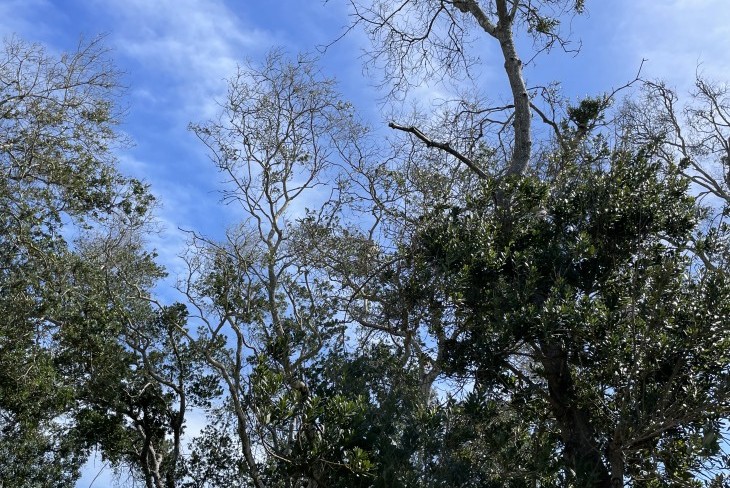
(178, 55)
(188, 46)
(677, 37)
(17, 17)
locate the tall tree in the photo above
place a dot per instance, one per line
(72, 267)
(417, 41)
(266, 314)
(585, 306)
(499, 216)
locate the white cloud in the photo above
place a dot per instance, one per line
(16, 17)
(678, 38)
(190, 46)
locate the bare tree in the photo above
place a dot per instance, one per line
(415, 41)
(693, 133)
(266, 312)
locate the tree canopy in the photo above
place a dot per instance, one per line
(473, 306)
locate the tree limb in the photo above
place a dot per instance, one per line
(444, 146)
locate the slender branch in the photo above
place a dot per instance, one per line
(547, 120)
(444, 146)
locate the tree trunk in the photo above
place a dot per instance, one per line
(581, 451)
(502, 31)
(522, 122)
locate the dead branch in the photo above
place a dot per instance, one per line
(444, 146)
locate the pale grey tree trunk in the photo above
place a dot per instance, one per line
(502, 31)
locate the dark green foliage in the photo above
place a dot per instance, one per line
(69, 260)
(570, 293)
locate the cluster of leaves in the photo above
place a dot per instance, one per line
(572, 295)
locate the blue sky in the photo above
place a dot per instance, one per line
(176, 55)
